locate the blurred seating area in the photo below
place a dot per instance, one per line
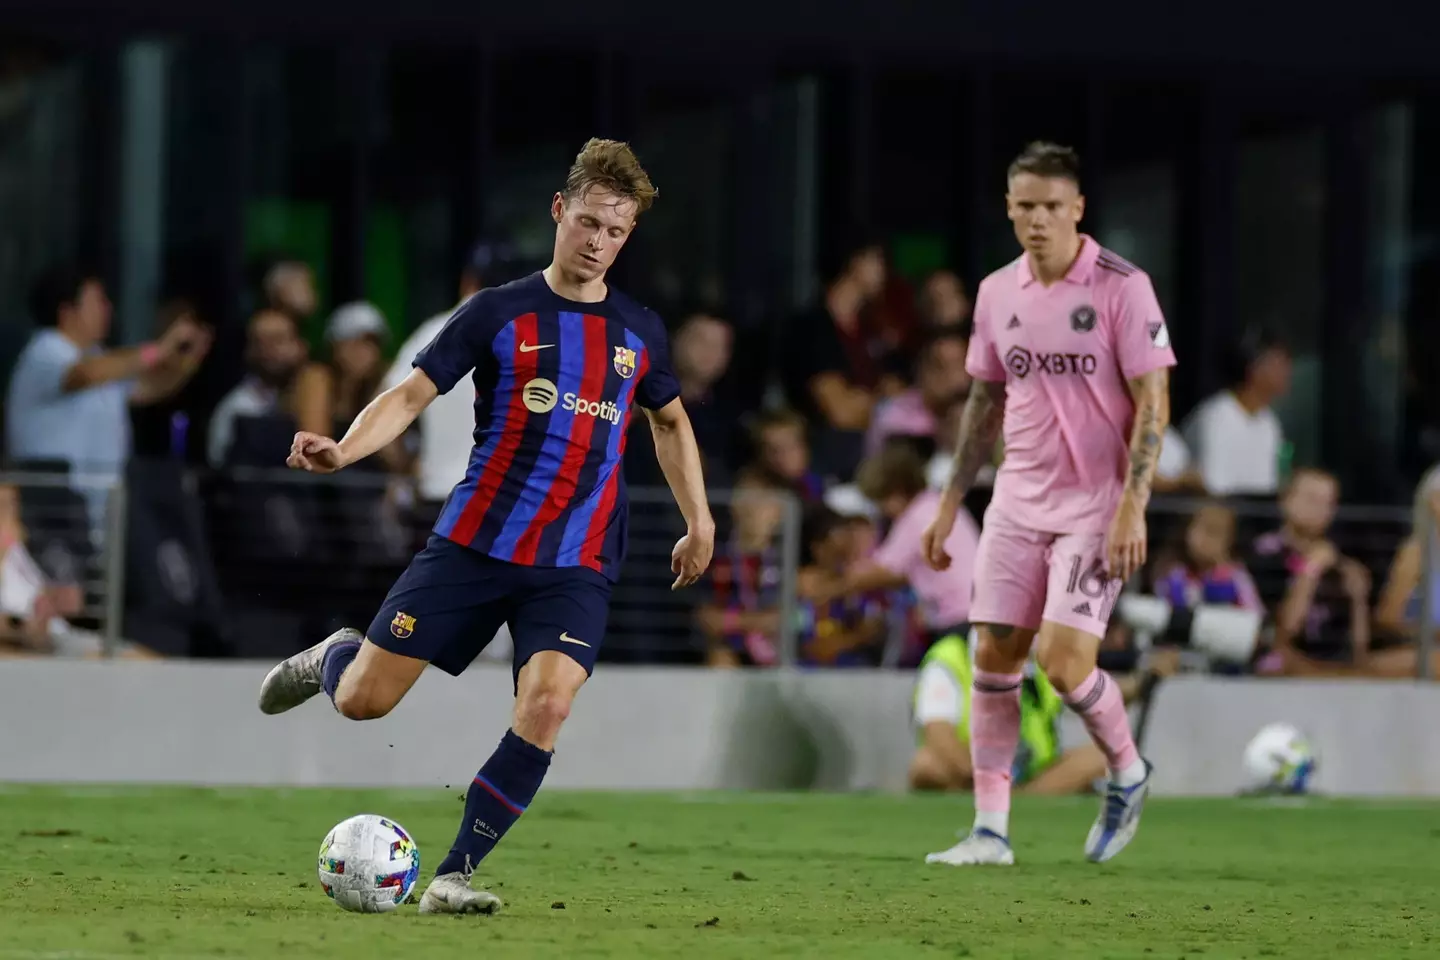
(262, 234)
(234, 556)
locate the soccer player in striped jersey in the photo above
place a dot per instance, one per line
(535, 533)
(1070, 354)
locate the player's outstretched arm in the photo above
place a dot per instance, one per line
(379, 424)
(679, 457)
(980, 425)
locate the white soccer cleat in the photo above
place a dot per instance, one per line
(1119, 818)
(452, 893)
(981, 847)
(297, 679)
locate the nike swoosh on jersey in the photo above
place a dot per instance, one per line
(532, 347)
(566, 638)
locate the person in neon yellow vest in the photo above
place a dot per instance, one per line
(942, 721)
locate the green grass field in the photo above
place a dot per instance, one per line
(171, 873)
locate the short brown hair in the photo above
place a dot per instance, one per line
(770, 419)
(896, 469)
(610, 165)
(1045, 159)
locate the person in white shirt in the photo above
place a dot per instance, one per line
(69, 397)
(447, 425)
(1235, 437)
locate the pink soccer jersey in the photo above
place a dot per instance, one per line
(1064, 353)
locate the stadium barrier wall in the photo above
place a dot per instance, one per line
(647, 728)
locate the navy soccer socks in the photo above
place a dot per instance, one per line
(339, 656)
(500, 792)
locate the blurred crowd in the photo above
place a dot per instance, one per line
(841, 440)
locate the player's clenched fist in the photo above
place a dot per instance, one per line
(932, 542)
(314, 453)
(691, 557)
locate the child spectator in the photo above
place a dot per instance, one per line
(741, 620)
(839, 631)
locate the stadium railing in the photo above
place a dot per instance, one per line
(74, 531)
(304, 554)
(300, 554)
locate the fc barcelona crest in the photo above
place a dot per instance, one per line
(625, 362)
(403, 625)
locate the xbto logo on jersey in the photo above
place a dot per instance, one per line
(1020, 362)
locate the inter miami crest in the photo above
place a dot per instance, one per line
(625, 362)
(1159, 335)
(403, 625)
(1082, 319)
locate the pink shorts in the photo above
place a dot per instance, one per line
(1023, 576)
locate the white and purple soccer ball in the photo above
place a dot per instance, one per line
(1280, 759)
(369, 864)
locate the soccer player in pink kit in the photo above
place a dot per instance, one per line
(1071, 355)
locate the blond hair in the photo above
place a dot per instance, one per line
(612, 166)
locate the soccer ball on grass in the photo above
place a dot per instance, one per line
(1279, 760)
(368, 864)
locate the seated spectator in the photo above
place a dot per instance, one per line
(783, 452)
(1177, 473)
(288, 285)
(274, 354)
(69, 397)
(1235, 436)
(1205, 570)
(700, 352)
(942, 723)
(1400, 610)
(944, 303)
(33, 608)
(741, 619)
(894, 481)
(329, 395)
(161, 428)
(843, 630)
(1318, 599)
(940, 378)
(834, 360)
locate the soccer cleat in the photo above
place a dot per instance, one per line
(295, 680)
(452, 893)
(980, 847)
(1119, 818)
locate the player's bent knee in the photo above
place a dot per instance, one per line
(1066, 659)
(542, 710)
(362, 699)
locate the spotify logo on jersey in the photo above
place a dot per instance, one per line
(540, 395)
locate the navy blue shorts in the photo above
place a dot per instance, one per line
(449, 603)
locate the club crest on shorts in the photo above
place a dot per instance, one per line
(625, 362)
(1082, 319)
(403, 625)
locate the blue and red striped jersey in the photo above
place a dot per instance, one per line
(556, 383)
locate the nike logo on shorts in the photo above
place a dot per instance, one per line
(566, 638)
(532, 347)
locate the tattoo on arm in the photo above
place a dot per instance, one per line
(1152, 416)
(979, 429)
